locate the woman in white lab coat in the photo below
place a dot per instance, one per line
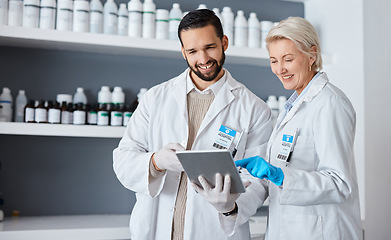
(309, 172)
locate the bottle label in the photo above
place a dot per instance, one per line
(92, 118)
(127, 116)
(41, 115)
(116, 118)
(29, 115)
(79, 117)
(103, 118)
(54, 115)
(65, 117)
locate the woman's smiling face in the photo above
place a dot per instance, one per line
(290, 65)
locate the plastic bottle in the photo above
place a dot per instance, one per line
(135, 8)
(254, 31)
(240, 30)
(64, 15)
(15, 13)
(123, 20)
(96, 16)
(228, 24)
(218, 14)
(3, 12)
(6, 105)
(20, 104)
(29, 112)
(265, 28)
(92, 114)
(118, 97)
(175, 19)
(103, 115)
(47, 15)
(79, 96)
(162, 24)
(41, 113)
(149, 11)
(79, 114)
(67, 98)
(31, 13)
(104, 95)
(273, 105)
(110, 17)
(81, 16)
(54, 113)
(281, 103)
(202, 6)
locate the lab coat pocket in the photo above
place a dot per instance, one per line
(303, 154)
(301, 227)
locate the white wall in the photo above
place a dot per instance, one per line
(340, 27)
(377, 52)
(358, 34)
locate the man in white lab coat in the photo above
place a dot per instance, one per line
(188, 111)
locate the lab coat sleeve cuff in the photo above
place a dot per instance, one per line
(228, 224)
(156, 179)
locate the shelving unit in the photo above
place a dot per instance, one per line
(96, 226)
(66, 227)
(62, 130)
(119, 45)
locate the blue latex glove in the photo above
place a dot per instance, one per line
(259, 168)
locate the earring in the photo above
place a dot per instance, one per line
(310, 68)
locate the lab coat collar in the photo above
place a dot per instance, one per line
(223, 98)
(316, 86)
(213, 89)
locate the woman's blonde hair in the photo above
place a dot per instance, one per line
(302, 34)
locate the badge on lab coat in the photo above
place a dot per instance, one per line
(287, 145)
(224, 138)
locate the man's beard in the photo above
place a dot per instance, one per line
(219, 66)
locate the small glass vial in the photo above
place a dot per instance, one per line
(64, 113)
(41, 113)
(54, 113)
(70, 110)
(92, 114)
(127, 114)
(116, 116)
(103, 115)
(29, 112)
(79, 114)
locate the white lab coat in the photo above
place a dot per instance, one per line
(161, 118)
(319, 197)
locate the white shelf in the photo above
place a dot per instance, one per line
(83, 227)
(119, 45)
(46, 129)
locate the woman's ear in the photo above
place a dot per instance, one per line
(314, 54)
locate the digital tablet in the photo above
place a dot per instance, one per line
(209, 162)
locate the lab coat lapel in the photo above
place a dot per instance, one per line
(314, 90)
(180, 94)
(222, 99)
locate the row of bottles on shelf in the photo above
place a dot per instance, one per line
(135, 19)
(110, 109)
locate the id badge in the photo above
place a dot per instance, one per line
(287, 145)
(224, 138)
